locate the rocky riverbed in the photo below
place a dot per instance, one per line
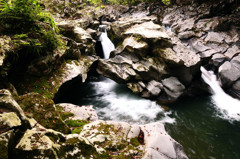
(158, 56)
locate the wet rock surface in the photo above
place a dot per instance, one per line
(212, 34)
(97, 139)
(149, 53)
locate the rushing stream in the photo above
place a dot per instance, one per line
(208, 127)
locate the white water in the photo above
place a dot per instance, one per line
(107, 45)
(122, 105)
(229, 107)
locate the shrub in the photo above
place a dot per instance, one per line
(31, 27)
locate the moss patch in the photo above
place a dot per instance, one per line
(43, 111)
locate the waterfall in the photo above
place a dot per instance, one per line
(229, 107)
(107, 44)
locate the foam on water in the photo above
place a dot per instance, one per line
(119, 102)
(229, 107)
(123, 105)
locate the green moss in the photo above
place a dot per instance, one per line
(43, 111)
(85, 150)
(77, 130)
(66, 115)
(135, 142)
(76, 123)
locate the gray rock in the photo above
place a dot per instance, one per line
(218, 59)
(173, 88)
(186, 35)
(148, 30)
(236, 85)
(154, 87)
(198, 45)
(186, 25)
(80, 112)
(233, 51)
(236, 61)
(146, 54)
(120, 26)
(155, 132)
(7, 102)
(214, 37)
(132, 45)
(228, 74)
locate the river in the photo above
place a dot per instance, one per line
(208, 127)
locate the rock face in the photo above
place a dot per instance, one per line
(148, 56)
(81, 113)
(83, 40)
(97, 139)
(215, 38)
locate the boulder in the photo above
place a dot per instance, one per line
(148, 30)
(43, 110)
(149, 53)
(119, 27)
(236, 61)
(80, 112)
(9, 121)
(173, 88)
(84, 41)
(218, 59)
(155, 132)
(232, 51)
(8, 104)
(154, 87)
(228, 74)
(39, 142)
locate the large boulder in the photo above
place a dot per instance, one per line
(9, 121)
(228, 74)
(79, 112)
(43, 111)
(8, 104)
(148, 55)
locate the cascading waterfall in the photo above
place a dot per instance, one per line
(228, 106)
(116, 102)
(107, 44)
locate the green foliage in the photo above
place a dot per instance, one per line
(125, 2)
(166, 2)
(31, 27)
(76, 123)
(134, 142)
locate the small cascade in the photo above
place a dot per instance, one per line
(228, 106)
(107, 44)
(116, 102)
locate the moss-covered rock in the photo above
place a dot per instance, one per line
(8, 104)
(43, 111)
(111, 138)
(5, 140)
(39, 143)
(8, 121)
(48, 85)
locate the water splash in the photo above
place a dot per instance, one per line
(107, 44)
(122, 105)
(229, 107)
